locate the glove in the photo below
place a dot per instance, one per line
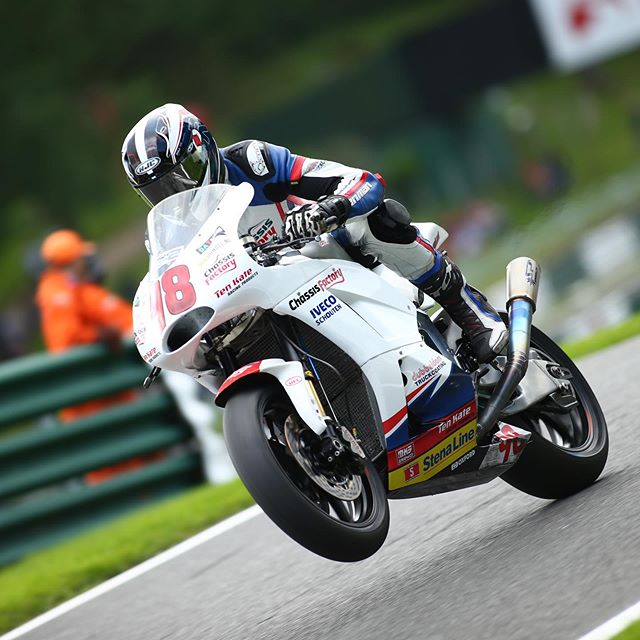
(310, 220)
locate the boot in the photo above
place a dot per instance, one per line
(468, 308)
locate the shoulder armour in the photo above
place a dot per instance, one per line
(253, 157)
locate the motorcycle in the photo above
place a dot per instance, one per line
(340, 390)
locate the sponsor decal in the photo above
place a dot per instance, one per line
(456, 419)
(263, 231)
(236, 283)
(411, 472)
(137, 301)
(458, 440)
(466, 457)
(147, 166)
(427, 372)
(327, 308)
(511, 442)
(293, 380)
(222, 265)
(333, 277)
(256, 159)
(436, 459)
(531, 273)
(300, 298)
(214, 241)
(406, 453)
(151, 355)
(360, 193)
(139, 335)
(315, 165)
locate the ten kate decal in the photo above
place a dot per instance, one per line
(214, 241)
(327, 308)
(293, 380)
(428, 371)
(263, 231)
(221, 266)
(335, 276)
(406, 453)
(151, 355)
(236, 283)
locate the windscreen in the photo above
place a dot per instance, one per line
(174, 222)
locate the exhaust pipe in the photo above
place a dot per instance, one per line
(523, 277)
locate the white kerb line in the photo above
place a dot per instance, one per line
(613, 626)
(134, 572)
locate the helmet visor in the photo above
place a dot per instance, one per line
(189, 174)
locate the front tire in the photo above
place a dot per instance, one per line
(566, 453)
(337, 529)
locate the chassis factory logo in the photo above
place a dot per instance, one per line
(335, 276)
(222, 265)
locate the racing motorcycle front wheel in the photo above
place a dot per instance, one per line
(336, 512)
(569, 444)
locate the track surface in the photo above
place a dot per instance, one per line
(486, 562)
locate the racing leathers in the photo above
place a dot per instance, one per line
(376, 229)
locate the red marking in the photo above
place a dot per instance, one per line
(281, 210)
(412, 472)
(580, 17)
(242, 372)
(420, 389)
(156, 300)
(422, 242)
(436, 434)
(380, 179)
(298, 201)
(179, 292)
(296, 170)
(363, 179)
(196, 138)
(395, 419)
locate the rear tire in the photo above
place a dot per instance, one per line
(564, 455)
(336, 529)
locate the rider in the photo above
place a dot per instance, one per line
(171, 150)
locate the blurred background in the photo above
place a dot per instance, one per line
(515, 124)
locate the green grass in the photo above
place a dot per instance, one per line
(632, 632)
(604, 338)
(54, 575)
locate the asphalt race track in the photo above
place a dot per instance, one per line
(486, 562)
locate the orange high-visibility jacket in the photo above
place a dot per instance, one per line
(72, 314)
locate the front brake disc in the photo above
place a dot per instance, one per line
(340, 486)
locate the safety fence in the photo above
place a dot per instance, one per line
(46, 490)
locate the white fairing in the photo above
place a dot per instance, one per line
(198, 262)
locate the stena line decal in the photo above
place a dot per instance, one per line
(436, 459)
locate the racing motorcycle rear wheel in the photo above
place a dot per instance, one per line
(568, 450)
(339, 515)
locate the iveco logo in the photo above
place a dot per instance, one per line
(147, 165)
